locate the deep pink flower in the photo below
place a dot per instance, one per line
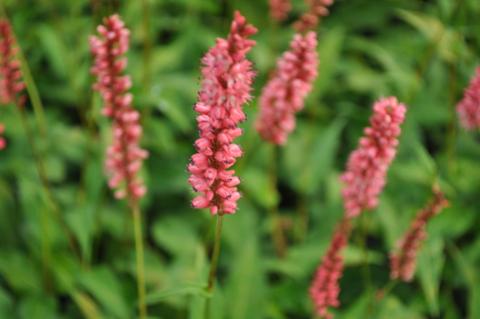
(310, 19)
(3, 143)
(469, 107)
(285, 93)
(225, 87)
(11, 83)
(279, 9)
(367, 166)
(325, 287)
(124, 156)
(403, 261)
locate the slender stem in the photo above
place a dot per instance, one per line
(137, 226)
(53, 207)
(367, 280)
(215, 254)
(147, 46)
(277, 234)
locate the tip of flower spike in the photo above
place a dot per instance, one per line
(241, 26)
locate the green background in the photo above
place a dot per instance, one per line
(424, 52)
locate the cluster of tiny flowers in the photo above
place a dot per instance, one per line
(11, 84)
(325, 287)
(310, 19)
(225, 87)
(367, 166)
(124, 156)
(279, 9)
(285, 93)
(403, 262)
(469, 107)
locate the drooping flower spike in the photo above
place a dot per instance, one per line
(468, 108)
(310, 19)
(365, 176)
(279, 9)
(403, 260)
(11, 82)
(225, 87)
(285, 93)
(325, 288)
(124, 156)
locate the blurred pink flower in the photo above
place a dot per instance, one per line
(3, 143)
(310, 19)
(279, 9)
(225, 87)
(124, 156)
(285, 92)
(468, 108)
(367, 166)
(11, 83)
(325, 287)
(403, 262)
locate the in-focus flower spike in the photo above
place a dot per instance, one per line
(325, 287)
(279, 9)
(310, 19)
(285, 93)
(124, 156)
(403, 261)
(225, 87)
(11, 83)
(468, 108)
(367, 166)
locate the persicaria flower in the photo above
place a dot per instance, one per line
(364, 178)
(285, 93)
(316, 10)
(11, 83)
(403, 261)
(225, 87)
(325, 287)
(3, 143)
(279, 9)
(124, 156)
(469, 107)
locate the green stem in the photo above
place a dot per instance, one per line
(277, 234)
(137, 226)
(215, 254)
(147, 46)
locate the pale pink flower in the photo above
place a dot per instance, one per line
(468, 108)
(11, 83)
(279, 9)
(124, 156)
(365, 176)
(225, 87)
(285, 93)
(310, 19)
(403, 261)
(325, 288)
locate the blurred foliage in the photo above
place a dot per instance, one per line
(423, 51)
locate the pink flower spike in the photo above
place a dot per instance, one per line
(310, 19)
(364, 178)
(279, 9)
(225, 87)
(325, 287)
(285, 93)
(124, 157)
(468, 108)
(11, 83)
(3, 143)
(403, 262)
